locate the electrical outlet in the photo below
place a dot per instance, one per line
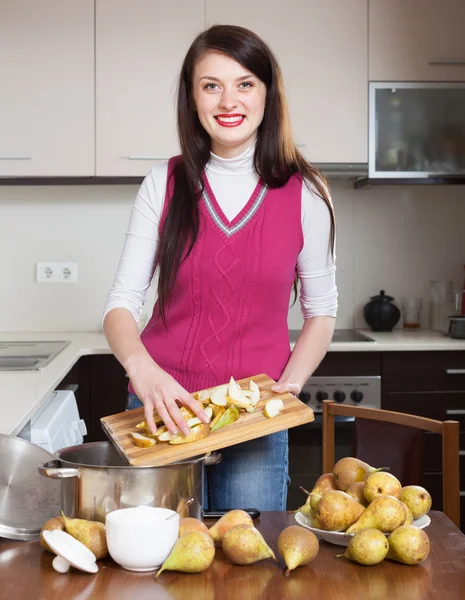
(57, 272)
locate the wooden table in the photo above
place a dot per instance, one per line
(26, 573)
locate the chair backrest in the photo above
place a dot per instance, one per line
(450, 445)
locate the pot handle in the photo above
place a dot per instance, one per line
(52, 470)
(212, 459)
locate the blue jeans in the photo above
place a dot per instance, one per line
(251, 475)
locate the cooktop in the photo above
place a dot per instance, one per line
(340, 335)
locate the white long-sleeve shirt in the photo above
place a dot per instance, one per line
(232, 181)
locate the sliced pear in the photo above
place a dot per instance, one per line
(196, 421)
(218, 396)
(216, 409)
(246, 406)
(142, 441)
(253, 387)
(199, 432)
(144, 425)
(219, 414)
(229, 416)
(273, 408)
(166, 436)
(204, 395)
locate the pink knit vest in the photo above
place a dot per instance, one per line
(228, 313)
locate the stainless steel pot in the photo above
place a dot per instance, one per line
(457, 327)
(96, 480)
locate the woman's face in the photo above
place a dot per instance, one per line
(230, 103)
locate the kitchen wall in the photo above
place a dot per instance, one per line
(395, 238)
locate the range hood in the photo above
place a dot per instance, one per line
(343, 170)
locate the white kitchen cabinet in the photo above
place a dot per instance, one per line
(47, 88)
(322, 50)
(417, 40)
(140, 46)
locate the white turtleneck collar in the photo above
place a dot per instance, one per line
(239, 165)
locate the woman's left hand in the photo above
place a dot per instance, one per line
(285, 386)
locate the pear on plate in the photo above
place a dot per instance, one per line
(224, 524)
(408, 515)
(245, 545)
(385, 513)
(356, 491)
(367, 547)
(381, 484)
(192, 553)
(297, 546)
(408, 545)
(324, 483)
(417, 499)
(336, 510)
(349, 470)
(90, 533)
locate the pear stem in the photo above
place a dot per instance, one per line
(340, 555)
(305, 491)
(287, 572)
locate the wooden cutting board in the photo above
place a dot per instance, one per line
(248, 427)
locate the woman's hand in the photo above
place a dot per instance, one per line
(284, 386)
(158, 391)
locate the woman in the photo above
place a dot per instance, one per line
(227, 225)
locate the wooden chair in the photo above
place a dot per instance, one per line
(449, 431)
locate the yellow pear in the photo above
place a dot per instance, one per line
(50, 525)
(231, 518)
(337, 510)
(297, 546)
(408, 545)
(349, 470)
(417, 499)
(190, 524)
(192, 553)
(367, 547)
(324, 483)
(408, 515)
(356, 491)
(90, 533)
(385, 513)
(382, 484)
(245, 545)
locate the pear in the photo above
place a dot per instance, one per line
(90, 533)
(230, 415)
(314, 522)
(385, 513)
(408, 515)
(50, 525)
(337, 510)
(244, 545)
(382, 484)
(199, 432)
(417, 499)
(408, 545)
(349, 470)
(297, 546)
(231, 518)
(188, 524)
(192, 553)
(356, 491)
(367, 547)
(324, 483)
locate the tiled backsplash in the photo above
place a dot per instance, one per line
(394, 237)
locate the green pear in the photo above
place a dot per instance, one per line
(408, 545)
(337, 510)
(192, 553)
(381, 484)
(349, 470)
(228, 520)
(297, 546)
(356, 491)
(385, 513)
(90, 533)
(245, 545)
(417, 499)
(367, 547)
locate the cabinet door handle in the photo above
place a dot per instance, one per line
(455, 411)
(455, 371)
(147, 158)
(446, 61)
(12, 157)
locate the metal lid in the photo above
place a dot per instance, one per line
(27, 499)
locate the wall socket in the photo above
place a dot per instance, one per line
(57, 272)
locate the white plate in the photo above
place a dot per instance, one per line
(339, 537)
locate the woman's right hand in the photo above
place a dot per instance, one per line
(159, 391)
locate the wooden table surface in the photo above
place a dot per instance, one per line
(26, 573)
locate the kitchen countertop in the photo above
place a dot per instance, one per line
(23, 393)
(26, 572)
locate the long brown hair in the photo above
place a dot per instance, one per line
(276, 157)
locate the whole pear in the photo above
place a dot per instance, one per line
(324, 483)
(408, 545)
(385, 513)
(191, 524)
(244, 545)
(349, 470)
(382, 484)
(231, 518)
(417, 499)
(314, 522)
(356, 491)
(337, 510)
(50, 525)
(90, 533)
(192, 553)
(408, 515)
(367, 547)
(297, 546)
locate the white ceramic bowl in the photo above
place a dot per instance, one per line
(339, 537)
(140, 538)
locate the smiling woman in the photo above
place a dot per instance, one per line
(228, 225)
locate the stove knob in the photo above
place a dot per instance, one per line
(305, 397)
(320, 396)
(339, 396)
(356, 396)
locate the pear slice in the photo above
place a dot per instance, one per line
(227, 418)
(219, 414)
(144, 425)
(218, 396)
(142, 441)
(166, 436)
(246, 406)
(199, 432)
(204, 395)
(273, 408)
(196, 421)
(253, 387)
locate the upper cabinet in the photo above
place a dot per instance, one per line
(322, 49)
(47, 88)
(140, 46)
(417, 40)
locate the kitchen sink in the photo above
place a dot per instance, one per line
(28, 356)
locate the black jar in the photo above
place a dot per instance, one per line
(381, 313)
